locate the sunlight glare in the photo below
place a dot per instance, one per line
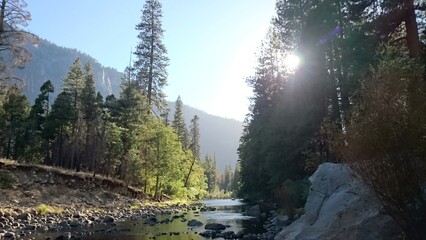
(291, 62)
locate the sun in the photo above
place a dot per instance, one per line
(291, 62)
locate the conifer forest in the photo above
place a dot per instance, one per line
(341, 81)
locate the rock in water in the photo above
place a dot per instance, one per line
(215, 226)
(254, 211)
(108, 219)
(340, 206)
(194, 223)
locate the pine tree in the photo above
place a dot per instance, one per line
(131, 111)
(209, 166)
(57, 125)
(227, 179)
(73, 86)
(15, 110)
(194, 145)
(91, 116)
(151, 54)
(194, 134)
(38, 145)
(179, 124)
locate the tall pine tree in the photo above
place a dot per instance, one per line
(151, 54)
(194, 145)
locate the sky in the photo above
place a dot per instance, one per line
(211, 44)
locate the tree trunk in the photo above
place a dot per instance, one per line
(151, 62)
(60, 146)
(413, 42)
(2, 13)
(157, 181)
(333, 86)
(189, 173)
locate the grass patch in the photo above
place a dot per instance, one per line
(44, 209)
(134, 207)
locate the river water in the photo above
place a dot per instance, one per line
(228, 212)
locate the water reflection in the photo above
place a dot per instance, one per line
(228, 212)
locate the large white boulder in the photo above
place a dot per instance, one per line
(340, 206)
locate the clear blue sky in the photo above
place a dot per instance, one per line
(211, 43)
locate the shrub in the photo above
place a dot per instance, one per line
(291, 196)
(42, 209)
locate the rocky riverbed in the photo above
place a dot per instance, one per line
(38, 202)
(73, 223)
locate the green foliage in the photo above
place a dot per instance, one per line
(37, 144)
(224, 185)
(284, 139)
(385, 137)
(7, 179)
(292, 195)
(15, 110)
(42, 209)
(210, 169)
(194, 137)
(179, 125)
(119, 137)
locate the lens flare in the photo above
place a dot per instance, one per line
(291, 62)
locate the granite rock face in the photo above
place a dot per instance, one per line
(340, 206)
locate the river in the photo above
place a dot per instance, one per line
(228, 212)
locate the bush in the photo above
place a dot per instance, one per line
(291, 196)
(42, 209)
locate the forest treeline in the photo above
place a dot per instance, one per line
(128, 136)
(358, 96)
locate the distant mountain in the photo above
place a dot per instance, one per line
(52, 62)
(218, 136)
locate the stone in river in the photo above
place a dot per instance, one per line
(194, 223)
(75, 223)
(215, 226)
(9, 236)
(108, 219)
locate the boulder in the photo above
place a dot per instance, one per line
(65, 236)
(194, 223)
(254, 211)
(9, 236)
(75, 223)
(340, 206)
(215, 226)
(281, 220)
(30, 227)
(108, 219)
(151, 221)
(24, 216)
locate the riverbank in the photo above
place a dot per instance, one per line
(43, 198)
(41, 202)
